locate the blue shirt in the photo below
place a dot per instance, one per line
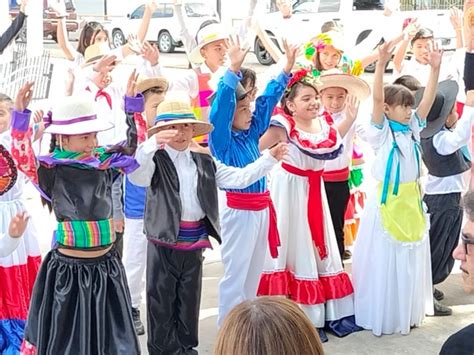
(240, 148)
(134, 200)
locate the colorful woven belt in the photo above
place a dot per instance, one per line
(85, 234)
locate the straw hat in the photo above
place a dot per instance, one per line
(76, 115)
(144, 83)
(443, 104)
(173, 112)
(354, 85)
(94, 53)
(211, 33)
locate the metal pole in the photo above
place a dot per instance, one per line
(105, 9)
(219, 8)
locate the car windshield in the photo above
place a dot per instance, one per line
(197, 9)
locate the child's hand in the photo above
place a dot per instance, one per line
(23, 5)
(435, 56)
(18, 225)
(352, 107)
(132, 84)
(119, 225)
(152, 6)
(279, 151)
(24, 96)
(386, 52)
(165, 136)
(412, 28)
(236, 54)
(456, 18)
(197, 148)
(134, 43)
(105, 64)
(151, 53)
(291, 51)
(38, 120)
(470, 98)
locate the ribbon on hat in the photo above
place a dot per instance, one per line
(48, 119)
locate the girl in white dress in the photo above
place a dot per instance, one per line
(391, 263)
(308, 269)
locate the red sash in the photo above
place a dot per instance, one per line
(336, 175)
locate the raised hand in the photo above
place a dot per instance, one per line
(59, 8)
(412, 28)
(132, 84)
(279, 151)
(38, 120)
(236, 54)
(456, 18)
(24, 96)
(151, 53)
(385, 52)
(134, 43)
(291, 51)
(435, 57)
(18, 225)
(105, 64)
(152, 6)
(166, 136)
(23, 5)
(352, 107)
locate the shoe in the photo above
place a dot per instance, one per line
(346, 255)
(441, 310)
(322, 335)
(137, 322)
(438, 295)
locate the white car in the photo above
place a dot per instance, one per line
(164, 28)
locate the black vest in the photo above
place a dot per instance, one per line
(163, 204)
(443, 165)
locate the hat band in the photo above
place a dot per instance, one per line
(173, 116)
(74, 120)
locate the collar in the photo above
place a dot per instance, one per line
(399, 127)
(93, 88)
(174, 154)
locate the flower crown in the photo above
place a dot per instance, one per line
(318, 44)
(308, 76)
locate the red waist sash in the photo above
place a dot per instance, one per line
(336, 175)
(315, 206)
(258, 202)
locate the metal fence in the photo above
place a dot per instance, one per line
(408, 5)
(19, 68)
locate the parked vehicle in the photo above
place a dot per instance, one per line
(163, 29)
(49, 20)
(358, 22)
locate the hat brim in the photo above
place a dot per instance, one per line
(96, 125)
(446, 98)
(352, 84)
(95, 59)
(200, 128)
(240, 93)
(160, 83)
(195, 55)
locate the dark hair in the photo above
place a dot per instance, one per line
(290, 94)
(6, 98)
(398, 95)
(90, 30)
(468, 204)
(330, 26)
(153, 90)
(408, 81)
(422, 33)
(249, 77)
(204, 24)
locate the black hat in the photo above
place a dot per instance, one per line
(442, 106)
(240, 94)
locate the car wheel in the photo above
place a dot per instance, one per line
(261, 53)
(165, 42)
(118, 39)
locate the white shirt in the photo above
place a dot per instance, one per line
(447, 142)
(8, 245)
(227, 177)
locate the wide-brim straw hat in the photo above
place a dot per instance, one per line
(354, 85)
(144, 83)
(443, 104)
(211, 33)
(76, 115)
(95, 52)
(173, 112)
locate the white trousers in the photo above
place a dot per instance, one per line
(244, 244)
(134, 258)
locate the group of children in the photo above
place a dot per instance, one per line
(279, 237)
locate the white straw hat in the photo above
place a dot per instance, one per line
(211, 33)
(354, 85)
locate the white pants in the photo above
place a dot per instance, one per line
(134, 258)
(244, 244)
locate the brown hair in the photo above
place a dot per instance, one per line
(398, 95)
(317, 61)
(90, 30)
(291, 93)
(153, 90)
(7, 99)
(249, 77)
(267, 325)
(408, 81)
(468, 204)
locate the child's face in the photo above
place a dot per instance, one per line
(214, 53)
(102, 80)
(398, 113)
(422, 48)
(306, 104)
(80, 143)
(329, 58)
(184, 137)
(333, 99)
(5, 116)
(242, 116)
(100, 37)
(151, 103)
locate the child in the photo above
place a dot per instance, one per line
(181, 212)
(134, 261)
(391, 260)
(10, 33)
(81, 303)
(308, 269)
(340, 95)
(248, 217)
(18, 268)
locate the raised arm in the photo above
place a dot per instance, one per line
(429, 94)
(408, 34)
(351, 110)
(143, 29)
(61, 30)
(14, 28)
(189, 41)
(385, 53)
(456, 18)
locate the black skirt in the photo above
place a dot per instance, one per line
(81, 306)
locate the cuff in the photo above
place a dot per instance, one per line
(150, 145)
(283, 78)
(21, 120)
(269, 158)
(135, 104)
(231, 79)
(377, 125)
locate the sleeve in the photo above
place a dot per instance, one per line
(152, 71)
(189, 42)
(187, 83)
(117, 199)
(133, 105)
(144, 156)
(469, 71)
(222, 113)
(448, 142)
(8, 245)
(228, 177)
(376, 135)
(265, 104)
(12, 31)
